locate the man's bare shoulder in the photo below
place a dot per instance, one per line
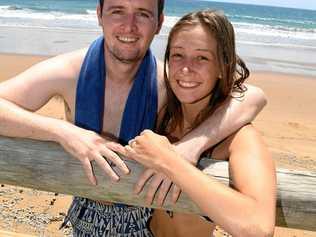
(34, 87)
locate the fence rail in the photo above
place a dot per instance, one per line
(46, 166)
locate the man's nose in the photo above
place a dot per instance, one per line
(130, 23)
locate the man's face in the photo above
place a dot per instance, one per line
(129, 27)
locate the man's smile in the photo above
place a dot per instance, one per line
(125, 39)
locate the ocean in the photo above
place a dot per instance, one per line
(268, 38)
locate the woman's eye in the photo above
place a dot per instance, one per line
(176, 55)
(202, 58)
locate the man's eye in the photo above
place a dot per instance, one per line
(143, 15)
(117, 12)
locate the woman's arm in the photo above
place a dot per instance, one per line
(249, 210)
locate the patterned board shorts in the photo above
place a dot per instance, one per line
(90, 218)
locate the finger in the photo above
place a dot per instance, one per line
(153, 188)
(112, 156)
(176, 191)
(130, 153)
(163, 191)
(87, 167)
(146, 131)
(144, 177)
(132, 142)
(104, 165)
(116, 147)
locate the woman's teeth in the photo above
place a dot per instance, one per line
(187, 84)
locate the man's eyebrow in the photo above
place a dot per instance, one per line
(114, 7)
(146, 10)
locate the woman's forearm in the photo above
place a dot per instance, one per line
(235, 212)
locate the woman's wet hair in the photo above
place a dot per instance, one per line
(233, 70)
(161, 4)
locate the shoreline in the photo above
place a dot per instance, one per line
(286, 125)
(53, 41)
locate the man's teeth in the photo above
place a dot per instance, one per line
(127, 39)
(188, 84)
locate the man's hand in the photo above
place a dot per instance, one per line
(87, 146)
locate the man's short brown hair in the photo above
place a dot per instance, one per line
(161, 4)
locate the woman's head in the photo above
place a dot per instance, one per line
(201, 63)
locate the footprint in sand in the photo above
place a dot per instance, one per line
(294, 124)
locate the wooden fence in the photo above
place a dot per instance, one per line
(45, 166)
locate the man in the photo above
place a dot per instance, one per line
(128, 29)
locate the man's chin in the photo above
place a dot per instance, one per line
(128, 60)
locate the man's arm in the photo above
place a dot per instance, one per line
(226, 120)
(21, 96)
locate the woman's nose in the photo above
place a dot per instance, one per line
(185, 69)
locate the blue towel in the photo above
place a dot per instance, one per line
(141, 107)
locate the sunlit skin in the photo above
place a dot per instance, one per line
(193, 68)
(128, 27)
(193, 73)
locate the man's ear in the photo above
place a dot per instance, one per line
(99, 14)
(160, 22)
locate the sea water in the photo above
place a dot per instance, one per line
(268, 38)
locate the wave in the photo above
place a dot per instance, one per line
(292, 46)
(15, 15)
(274, 20)
(31, 13)
(276, 31)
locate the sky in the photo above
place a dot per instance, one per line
(304, 4)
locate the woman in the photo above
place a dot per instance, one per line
(201, 71)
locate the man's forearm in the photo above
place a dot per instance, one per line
(17, 122)
(227, 119)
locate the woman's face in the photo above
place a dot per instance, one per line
(193, 64)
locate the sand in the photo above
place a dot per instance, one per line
(287, 124)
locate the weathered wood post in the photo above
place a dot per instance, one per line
(45, 166)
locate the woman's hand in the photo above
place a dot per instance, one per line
(151, 150)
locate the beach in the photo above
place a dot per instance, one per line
(278, 45)
(287, 124)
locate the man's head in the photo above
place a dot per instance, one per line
(129, 27)
(161, 4)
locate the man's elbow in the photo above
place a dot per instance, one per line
(257, 97)
(257, 229)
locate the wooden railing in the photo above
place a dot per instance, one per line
(46, 166)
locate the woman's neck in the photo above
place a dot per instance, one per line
(191, 111)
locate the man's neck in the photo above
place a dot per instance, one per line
(121, 72)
